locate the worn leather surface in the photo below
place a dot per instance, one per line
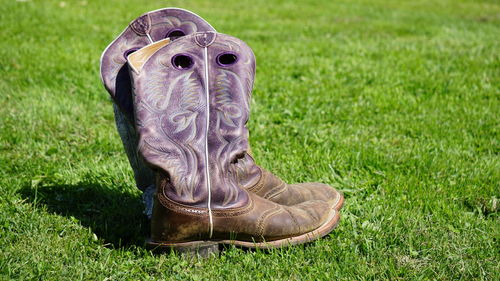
(264, 220)
(274, 189)
(258, 220)
(172, 221)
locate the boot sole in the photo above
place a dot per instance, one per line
(206, 248)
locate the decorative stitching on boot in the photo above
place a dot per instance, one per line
(265, 215)
(273, 193)
(235, 211)
(258, 186)
(141, 25)
(180, 208)
(168, 203)
(205, 39)
(293, 218)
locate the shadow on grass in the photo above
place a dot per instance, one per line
(114, 216)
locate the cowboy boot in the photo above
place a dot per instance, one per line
(191, 100)
(161, 24)
(148, 28)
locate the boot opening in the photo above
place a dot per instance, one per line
(129, 51)
(174, 34)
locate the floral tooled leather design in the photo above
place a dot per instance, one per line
(175, 106)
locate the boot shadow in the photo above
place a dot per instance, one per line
(115, 217)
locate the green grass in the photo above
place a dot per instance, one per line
(396, 103)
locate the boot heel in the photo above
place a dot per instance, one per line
(203, 249)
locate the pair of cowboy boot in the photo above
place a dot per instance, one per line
(186, 116)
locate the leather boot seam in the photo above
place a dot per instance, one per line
(273, 192)
(168, 203)
(265, 215)
(259, 185)
(293, 219)
(174, 206)
(235, 211)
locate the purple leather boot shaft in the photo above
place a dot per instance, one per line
(191, 107)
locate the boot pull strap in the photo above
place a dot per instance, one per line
(142, 26)
(138, 58)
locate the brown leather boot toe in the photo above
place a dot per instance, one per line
(260, 223)
(273, 188)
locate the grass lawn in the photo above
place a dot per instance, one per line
(396, 103)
